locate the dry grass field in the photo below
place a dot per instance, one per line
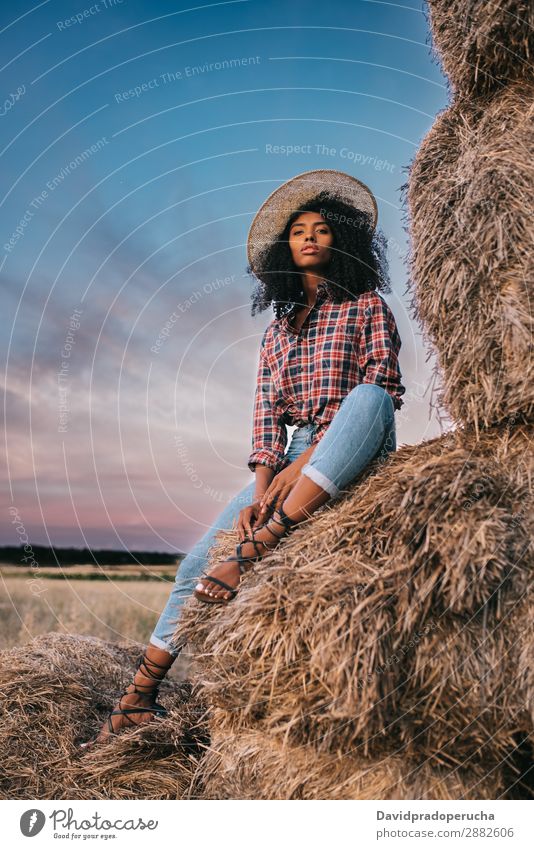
(110, 609)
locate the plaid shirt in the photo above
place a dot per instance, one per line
(303, 377)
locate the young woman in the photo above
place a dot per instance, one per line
(328, 364)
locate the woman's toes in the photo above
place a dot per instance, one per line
(208, 588)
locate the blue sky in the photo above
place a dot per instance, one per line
(138, 140)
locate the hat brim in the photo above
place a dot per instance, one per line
(273, 214)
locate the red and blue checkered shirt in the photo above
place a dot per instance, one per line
(303, 377)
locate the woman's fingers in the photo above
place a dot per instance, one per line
(268, 500)
(245, 522)
(266, 497)
(282, 497)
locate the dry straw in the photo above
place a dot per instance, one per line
(252, 765)
(471, 211)
(328, 640)
(55, 691)
(464, 700)
(484, 44)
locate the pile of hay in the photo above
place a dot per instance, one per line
(484, 44)
(55, 692)
(250, 765)
(463, 701)
(333, 644)
(471, 208)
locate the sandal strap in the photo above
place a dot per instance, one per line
(240, 563)
(221, 584)
(152, 709)
(152, 691)
(149, 673)
(241, 559)
(159, 710)
(262, 542)
(253, 541)
(148, 689)
(278, 536)
(285, 518)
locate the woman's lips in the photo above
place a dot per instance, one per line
(310, 249)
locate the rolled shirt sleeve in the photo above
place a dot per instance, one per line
(379, 348)
(269, 432)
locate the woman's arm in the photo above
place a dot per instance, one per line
(269, 432)
(379, 348)
(264, 476)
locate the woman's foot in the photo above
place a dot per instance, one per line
(137, 705)
(118, 719)
(225, 576)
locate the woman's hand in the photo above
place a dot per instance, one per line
(247, 519)
(280, 487)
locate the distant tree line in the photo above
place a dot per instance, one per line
(51, 556)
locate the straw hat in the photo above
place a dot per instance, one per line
(272, 215)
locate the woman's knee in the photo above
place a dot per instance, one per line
(372, 398)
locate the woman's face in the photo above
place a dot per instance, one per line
(310, 239)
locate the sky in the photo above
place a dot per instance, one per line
(137, 142)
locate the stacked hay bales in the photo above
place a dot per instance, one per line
(54, 692)
(471, 204)
(482, 44)
(332, 646)
(385, 649)
(251, 765)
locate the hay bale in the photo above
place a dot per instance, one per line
(56, 691)
(482, 45)
(256, 766)
(307, 650)
(464, 701)
(470, 209)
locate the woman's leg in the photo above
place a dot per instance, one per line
(363, 427)
(191, 568)
(162, 651)
(196, 561)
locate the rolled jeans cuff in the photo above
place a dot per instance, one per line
(321, 480)
(363, 427)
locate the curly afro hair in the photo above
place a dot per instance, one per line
(358, 264)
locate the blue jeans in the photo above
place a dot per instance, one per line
(363, 427)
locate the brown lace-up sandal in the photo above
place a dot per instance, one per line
(284, 521)
(146, 690)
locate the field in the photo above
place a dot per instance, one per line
(117, 607)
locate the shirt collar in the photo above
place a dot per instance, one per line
(322, 295)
